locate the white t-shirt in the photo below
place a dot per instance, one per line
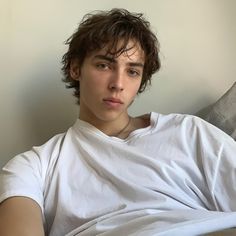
(91, 183)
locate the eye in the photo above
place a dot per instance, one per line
(102, 66)
(134, 73)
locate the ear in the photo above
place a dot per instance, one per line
(75, 69)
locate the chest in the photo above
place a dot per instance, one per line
(91, 184)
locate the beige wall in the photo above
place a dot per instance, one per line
(198, 53)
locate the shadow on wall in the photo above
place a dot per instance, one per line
(47, 108)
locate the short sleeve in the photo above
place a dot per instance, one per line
(22, 176)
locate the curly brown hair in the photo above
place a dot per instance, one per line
(105, 29)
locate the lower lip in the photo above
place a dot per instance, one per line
(112, 104)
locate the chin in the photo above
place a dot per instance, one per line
(109, 116)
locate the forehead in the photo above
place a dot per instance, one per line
(132, 50)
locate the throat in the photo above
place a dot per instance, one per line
(124, 129)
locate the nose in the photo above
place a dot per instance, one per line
(116, 82)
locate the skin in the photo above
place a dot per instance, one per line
(108, 85)
(20, 216)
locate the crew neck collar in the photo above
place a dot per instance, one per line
(83, 126)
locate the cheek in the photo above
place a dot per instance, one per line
(133, 91)
(95, 79)
(137, 86)
(88, 81)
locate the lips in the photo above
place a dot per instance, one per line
(113, 100)
(113, 103)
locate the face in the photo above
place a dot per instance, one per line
(109, 84)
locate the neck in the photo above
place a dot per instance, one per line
(124, 129)
(115, 127)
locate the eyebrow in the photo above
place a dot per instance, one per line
(112, 60)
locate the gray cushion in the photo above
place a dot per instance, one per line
(222, 113)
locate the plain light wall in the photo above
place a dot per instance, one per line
(198, 54)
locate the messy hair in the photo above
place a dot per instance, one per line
(106, 29)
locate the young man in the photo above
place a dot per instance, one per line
(113, 174)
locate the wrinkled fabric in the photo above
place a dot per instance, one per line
(87, 181)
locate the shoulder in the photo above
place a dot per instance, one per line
(37, 160)
(173, 120)
(188, 125)
(26, 173)
(34, 161)
(48, 148)
(179, 119)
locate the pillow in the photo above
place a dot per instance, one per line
(222, 113)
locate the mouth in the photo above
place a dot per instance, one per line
(113, 102)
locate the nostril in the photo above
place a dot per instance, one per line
(116, 87)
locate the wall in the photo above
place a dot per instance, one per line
(198, 53)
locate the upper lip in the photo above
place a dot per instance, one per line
(115, 100)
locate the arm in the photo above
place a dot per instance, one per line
(20, 216)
